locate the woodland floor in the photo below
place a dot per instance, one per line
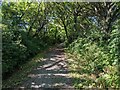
(52, 72)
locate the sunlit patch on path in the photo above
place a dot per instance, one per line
(51, 73)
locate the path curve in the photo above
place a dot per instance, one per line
(52, 72)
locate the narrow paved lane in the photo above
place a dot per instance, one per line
(52, 72)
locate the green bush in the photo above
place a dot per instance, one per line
(99, 57)
(18, 47)
(14, 53)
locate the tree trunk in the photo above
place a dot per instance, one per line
(31, 26)
(66, 32)
(65, 27)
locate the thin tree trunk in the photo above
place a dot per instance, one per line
(31, 27)
(66, 32)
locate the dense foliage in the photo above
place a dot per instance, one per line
(19, 41)
(99, 60)
(91, 32)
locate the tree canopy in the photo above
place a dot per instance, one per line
(84, 28)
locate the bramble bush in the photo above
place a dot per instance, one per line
(99, 57)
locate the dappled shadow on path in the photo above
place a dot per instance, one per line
(51, 73)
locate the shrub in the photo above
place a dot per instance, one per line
(99, 58)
